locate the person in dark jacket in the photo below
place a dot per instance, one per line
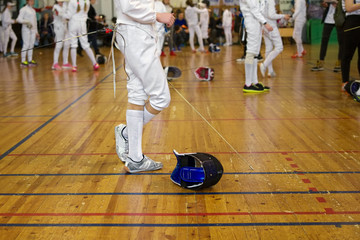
(329, 24)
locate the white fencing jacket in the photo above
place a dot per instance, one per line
(251, 8)
(268, 11)
(227, 18)
(140, 13)
(6, 19)
(28, 15)
(300, 11)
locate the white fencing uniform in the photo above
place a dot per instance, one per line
(253, 20)
(77, 26)
(273, 42)
(27, 17)
(160, 27)
(61, 32)
(136, 37)
(299, 17)
(204, 24)
(8, 31)
(227, 24)
(191, 16)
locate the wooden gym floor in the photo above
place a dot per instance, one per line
(291, 156)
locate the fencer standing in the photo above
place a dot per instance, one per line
(8, 31)
(253, 21)
(191, 15)
(77, 14)
(227, 25)
(204, 21)
(60, 29)
(299, 17)
(148, 90)
(29, 31)
(273, 42)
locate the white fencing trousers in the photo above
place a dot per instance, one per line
(204, 30)
(273, 46)
(195, 29)
(60, 33)
(228, 34)
(160, 41)
(28, 37)
(9, 33)
(254, 35)
(297, 36)
(146, 77)
(77, 28)
(253, 39)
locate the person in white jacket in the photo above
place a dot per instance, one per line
(77, 14)
(299, 17)
(254, 21)
(61, 32)
(227, 25)
(29, 32)
(148, 90)
(191, 16)
(273, 42)
(8, 31)
(204, 22)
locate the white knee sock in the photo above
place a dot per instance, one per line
(254, 73)
(73, 56)
(147, 116)
(90, 55)
(134, 122)
(249, 61)
(56, 54)
(65, 53)
(300, 48)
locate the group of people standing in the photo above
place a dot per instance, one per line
(70, 26)
(348, 33)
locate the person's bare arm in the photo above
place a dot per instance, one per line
(350, 6)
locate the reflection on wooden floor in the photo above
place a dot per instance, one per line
(291, 156)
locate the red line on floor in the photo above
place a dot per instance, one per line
(321, 199)
(306, 180)
(328, 211)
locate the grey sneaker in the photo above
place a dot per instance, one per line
(146, 164)
(122, 144)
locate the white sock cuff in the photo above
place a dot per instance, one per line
(135, 113)
(148, 116)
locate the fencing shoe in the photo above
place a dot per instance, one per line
(122, 144)
(146, 164)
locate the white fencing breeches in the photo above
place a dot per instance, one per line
(192, 30)
(297, 36)
(60, 33)
(253, 39)
(160, 41)
(273, 46)
(76, 31)
(28, 37)
(9, 33)
(228, 34)
(146, 76)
